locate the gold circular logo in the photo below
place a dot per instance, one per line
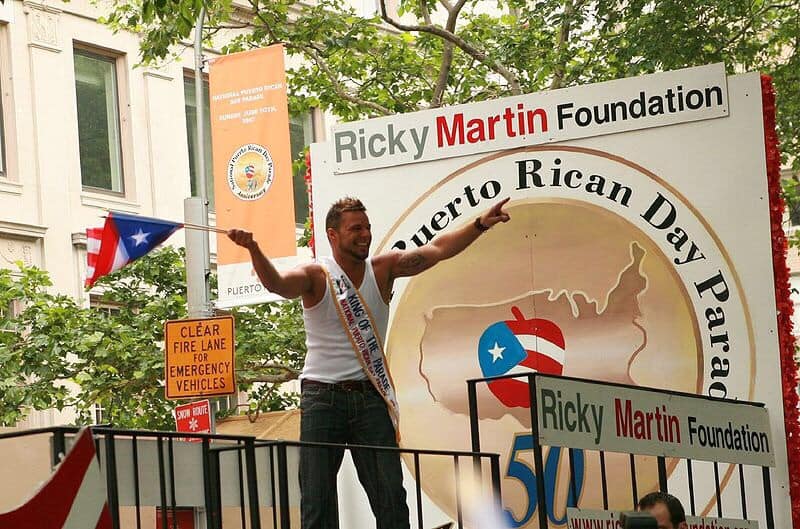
(250, 172)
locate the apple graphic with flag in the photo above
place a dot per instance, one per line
(519, 346)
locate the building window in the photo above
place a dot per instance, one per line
(301, 134)
(98, 414)
(10, 312)
(792, 205)
(5, 102)
(794, 214)
(191, 137)
(98, 121)
(224, 404)
(791, 195)
(106, 310)
(3, 171)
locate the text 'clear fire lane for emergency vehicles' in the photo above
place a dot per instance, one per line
(199, 358)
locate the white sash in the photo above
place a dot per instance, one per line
(360, 328)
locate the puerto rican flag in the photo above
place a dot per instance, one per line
(123, 238)
(520, 346)
(73, 498)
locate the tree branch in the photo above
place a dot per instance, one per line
(460, 81)
(269, 379)
(470, 50)
(275, 365)
(230, 26)
(286, 374)
(488, 91)
(426, 15)
(257, 11)
(446, 5)
(561, 45)
(458, 6)
(311, 52)
(444, 74)
(338, 87)
(447, 54)
(391, 93)
(748, 23)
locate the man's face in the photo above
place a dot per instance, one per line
(353, 236)
(661, 513)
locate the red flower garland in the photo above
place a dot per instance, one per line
(307, 179)
(783, 303)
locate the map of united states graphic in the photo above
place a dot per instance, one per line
(549, 332)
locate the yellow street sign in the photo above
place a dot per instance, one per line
(199, 358)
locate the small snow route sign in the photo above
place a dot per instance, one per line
(199, 358)
(194, 417)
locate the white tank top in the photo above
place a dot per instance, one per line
(330, 356)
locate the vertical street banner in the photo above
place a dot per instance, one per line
(252, 166)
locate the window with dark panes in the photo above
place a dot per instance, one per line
(791, 188)
(301, 134)
(191, 138)
(2, 142)
(794, 213)
(99, 412)
(98, 121)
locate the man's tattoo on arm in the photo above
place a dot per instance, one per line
(411, 263)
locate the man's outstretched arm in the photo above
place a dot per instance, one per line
(291, 284)
(411, 262)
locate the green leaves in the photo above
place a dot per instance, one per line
(357, 67)
(113, 353)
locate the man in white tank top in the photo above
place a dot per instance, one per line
(347, 392)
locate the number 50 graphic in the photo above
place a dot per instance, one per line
(522, 472)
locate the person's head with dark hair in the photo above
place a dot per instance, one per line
(334, 217)
(348, 229)
(665, 508)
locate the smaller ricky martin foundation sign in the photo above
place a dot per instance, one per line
(598, 416)
(592, 519)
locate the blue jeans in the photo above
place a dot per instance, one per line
(359, 417)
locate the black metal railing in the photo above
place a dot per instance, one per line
(279, 481)
(236, 481)
(661, 461)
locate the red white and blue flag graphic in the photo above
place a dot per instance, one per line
(73, 498)
(519, 346)
(123, 238)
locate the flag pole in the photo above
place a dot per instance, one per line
(198, 255)
(193, 226)
(201, 227)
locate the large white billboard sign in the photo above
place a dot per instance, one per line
(640, 257)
